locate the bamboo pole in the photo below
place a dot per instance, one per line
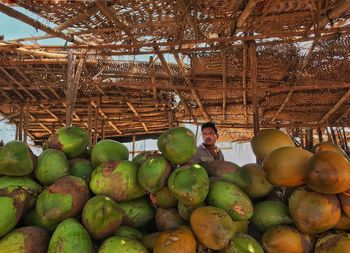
(244, 80)
(329, 137)
(224, 82)
(17, 131)
(346, 140)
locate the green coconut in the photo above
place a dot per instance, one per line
(51, 165)
(243, 243)
(73, 141)
(258, 185)
(144, 156)
(189, 184)
(16, 159)
(108, 150)
(63, 199)
(34, 219)
(117, 180)
(80, 167)
(8, 184)
(230, 198)
(186, 211)
(137, 213)
(128, 232)
(25, 240)
(70, 236)
(8, 215)
(101, 216)
(120, 244)
(270, 213)
(163, 198)
(177, 144)
(153, 174)
(228, 171)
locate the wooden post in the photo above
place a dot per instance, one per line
(244, 79)
(329, 137)
(310, 139)
(197, 132)
(90, 123)
(20, 128)
(70, 84)
(26, 122)
(103, 129)
(17, 132)
(133, 145)
(319, 133)
(340, 138)
(253, 79)
(333, 136)
(301, 134)
(346, 141)
(97, 109)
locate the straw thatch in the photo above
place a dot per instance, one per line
(140, 67)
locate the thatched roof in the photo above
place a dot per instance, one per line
(194, 61)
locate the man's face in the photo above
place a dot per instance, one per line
(209, 136)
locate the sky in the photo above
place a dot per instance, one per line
(239, 153)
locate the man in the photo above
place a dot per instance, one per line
(207, 151)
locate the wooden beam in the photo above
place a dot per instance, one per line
(133, 145)
(253, 80)
(101, 4)
(13, 88)
(35, 23)
(297, 78)
(335, 107)
(334, 13)
(224, 82)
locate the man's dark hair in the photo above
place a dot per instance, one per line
(211, 125)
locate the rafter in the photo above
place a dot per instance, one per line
(335, 107)
(16, 82)
(106, 118)
(249, 8)
(224, 82)
(35, 23)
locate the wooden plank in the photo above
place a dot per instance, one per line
(335, 107)
(35, 23)
(253, 80)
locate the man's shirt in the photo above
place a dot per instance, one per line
(203, 155)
